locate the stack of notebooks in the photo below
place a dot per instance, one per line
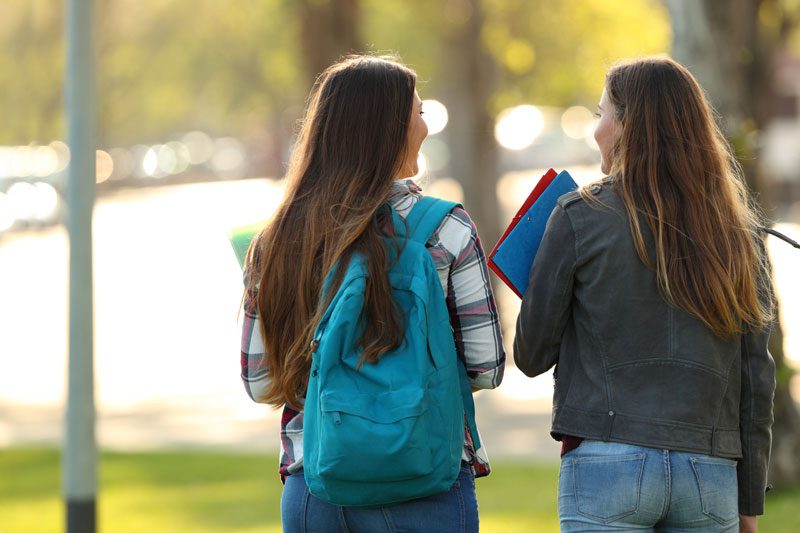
(513, 255)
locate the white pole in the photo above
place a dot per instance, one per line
(80, 449)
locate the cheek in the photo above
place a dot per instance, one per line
(600, 133)
(421, 132)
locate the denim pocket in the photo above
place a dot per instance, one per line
(607, 487)
(716, 479)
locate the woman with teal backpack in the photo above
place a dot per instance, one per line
(369, 319)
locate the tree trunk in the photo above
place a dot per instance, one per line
(329, 30)
(721, 44)
(470, 129)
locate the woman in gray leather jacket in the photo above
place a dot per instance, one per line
(650, 294)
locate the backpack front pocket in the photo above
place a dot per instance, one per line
(374, 437)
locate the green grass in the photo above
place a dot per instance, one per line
(199, 492)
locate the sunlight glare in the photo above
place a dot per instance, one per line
(435, 116)
(517, 128)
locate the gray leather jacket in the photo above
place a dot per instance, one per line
(630, 367)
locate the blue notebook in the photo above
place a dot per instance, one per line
(513, 256)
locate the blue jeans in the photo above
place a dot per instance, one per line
(608, 486)
(455, 510)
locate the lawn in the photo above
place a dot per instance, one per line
(198, 492)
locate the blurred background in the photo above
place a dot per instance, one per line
(197, 104)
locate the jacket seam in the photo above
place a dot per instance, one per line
(651, 419)
(672, 362)
(719, 407)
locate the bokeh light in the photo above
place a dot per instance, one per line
(123, 163)
(228, 161)
(446, 188)
(45, 161)
(182, 156)
(435, 116)
(150, 161)
(104, 166)
(200, 146)
(574, 121)
(23, 198)
(62, 151)
(22, 161)
(422, 166)
(588, 136)
(7, 217)
(518, 127)
(46, 201)
(437, 154)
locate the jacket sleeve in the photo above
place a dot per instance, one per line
(546, 304)
(755, 416)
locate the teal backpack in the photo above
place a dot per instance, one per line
(392, 431)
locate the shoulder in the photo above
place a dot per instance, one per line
(596, 197)
(456, 227)
(571, 198)
(598, 190)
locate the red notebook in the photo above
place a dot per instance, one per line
(543, 183)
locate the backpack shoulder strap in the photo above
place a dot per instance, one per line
(425, 217)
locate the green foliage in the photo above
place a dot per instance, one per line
(31, 70)
(409, 29)
(557, 53)
(206, 492)
(179, 65)
(168, 66)
(162, 67)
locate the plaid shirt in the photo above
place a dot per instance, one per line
(456, 250)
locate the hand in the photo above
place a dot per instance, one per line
(747, 524)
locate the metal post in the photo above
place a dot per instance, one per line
(80, 448)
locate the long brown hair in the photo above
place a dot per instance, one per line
(350, 148)
(674, 169)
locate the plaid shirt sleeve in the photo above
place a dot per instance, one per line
(470, 300)
(254, 369)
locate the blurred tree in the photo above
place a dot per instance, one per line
(732, 47)
(31, 71)
(329, 30)
(163, 68)
(166, 67)
(524, 64)
(469, 88)
(557, 53)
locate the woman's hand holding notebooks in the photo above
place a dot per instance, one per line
(513, 255)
